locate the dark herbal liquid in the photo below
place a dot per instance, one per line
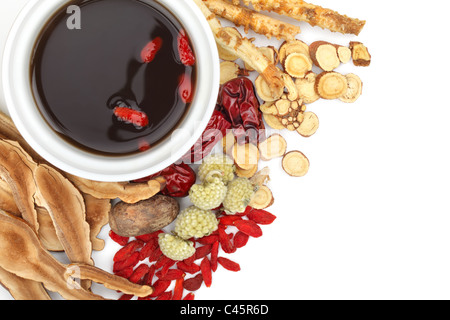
(79, 76)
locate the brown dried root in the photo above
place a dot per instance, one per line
(230, 70)
(273, 147)
(360, 54)
(313, 14)
(251, 19)
(245, 50)
(324, 55)
(306, 88)
(295, 164)
(331, 85)
(354, 88)
(262, 199)
(22, 254)
(22, 289)
(125, 191)
(309, 125)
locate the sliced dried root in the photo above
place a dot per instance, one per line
(324, 55)
(228, 142)
(295, 164)
(273, 147)
(309, 126)
(344, 53)
(297, 65)
(250, 19)
(331, 85)
(262, 199)
(269, 52)
(269, 108)
(230, 70)
(246, 155)
(273, 121)
(225, 54)
(265, 92)
(246, 173)
(289, 84)
(360, 54)
(293, 46)
(294, 117)
(354, 88)
(261, 177)
(306, 88)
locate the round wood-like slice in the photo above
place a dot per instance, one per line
(246, 155)
(309, 125)
(246, 173)
(331, 85)
(295, 164)
(264, 92)
(354, 88)
(306, 88)
(324, 55)
(297, 65)
(273, 147)
(273, 121)
(293, 46)
(262, 199)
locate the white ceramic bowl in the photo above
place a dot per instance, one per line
(27, 118)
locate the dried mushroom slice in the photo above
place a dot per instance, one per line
(273, 121)
(309, 125)
(306, 88)
(331, 85)
(23, 289)
(262, 199)
(22, 254)
(295, 164)
(7, 202)
(354, 88)
(273, 147)
(230, 70)
(97, 216)
(297, 65)
(47, 232)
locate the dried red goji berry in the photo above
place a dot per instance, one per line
(228, 264)
(178, 289)
(166, 267)
(214, 256)
(139, 273)
(147, 250)
(128, 250)
(150, 236)
(225, 242)
(162, 261)
(132, 261)
(209, 239)
(125, 272)
(148, 278)
(126, 297)
(189, 260)
(118, 239)
(228, 220)
(205, 267)
(165, 296)
(249, 227)
(155, 255)
(150, 50)
(193, 284)
(159, 287)
(261, 217)
(128, 115)
(172, 274)
(188, 268)
(189, 296)
(184, 49)
(240, 239)
(202, 251)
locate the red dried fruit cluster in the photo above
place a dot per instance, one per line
(140, 260)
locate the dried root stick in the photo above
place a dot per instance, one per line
(245, 50)
(313, 14)
(251, 19)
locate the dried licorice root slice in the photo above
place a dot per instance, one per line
(360, 54)
(297, 65)
(331, 85)
(293, 46)
(305, 88)
(354, 88)
(273, 121)
(262, 199)
(230, 70)
(273, 147)
(295, 164)
(324, 55)
(309, 126)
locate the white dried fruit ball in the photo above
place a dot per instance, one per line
(175, 248)
(240, 193)
(219, 162)
(194, 222)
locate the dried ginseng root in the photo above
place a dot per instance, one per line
(354, 88)
(125, 191)
(22, 254)
(309, 126)
(331, 85)
(273, 147)
(324, 55)
(230, 70)
(295, 164)
(253, 20)
(262, 199)
(360, 54)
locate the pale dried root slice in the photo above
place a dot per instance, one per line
(297, 65)
(225, 54)
(354, 88)
(23, 289)
(309, 126)
(269, 52)
(331, 85)
(293, 119)
(261, 178)
(246, 155)
(360, 54)
(22, 254)
(313, 14)
(230, 70)
(273, 147)
(262, 199)
(125, 191)
(250, 19)
(293, 46)
(324, 55)
(295, 164)
(273, 121)
(282, 107)
(344, 54)
(306, 88)
(265, 92)
(246, 173)
(289, 84)
(228, 142)
(269, 108)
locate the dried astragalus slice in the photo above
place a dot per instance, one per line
(262, 199)
(297, 65)
(295, 163)
(273, 147)
(354, 88)
(306, 88)
(331, 85)
(309, 125)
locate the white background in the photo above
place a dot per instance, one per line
(371, 219)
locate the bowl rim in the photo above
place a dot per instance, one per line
(35, 130)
